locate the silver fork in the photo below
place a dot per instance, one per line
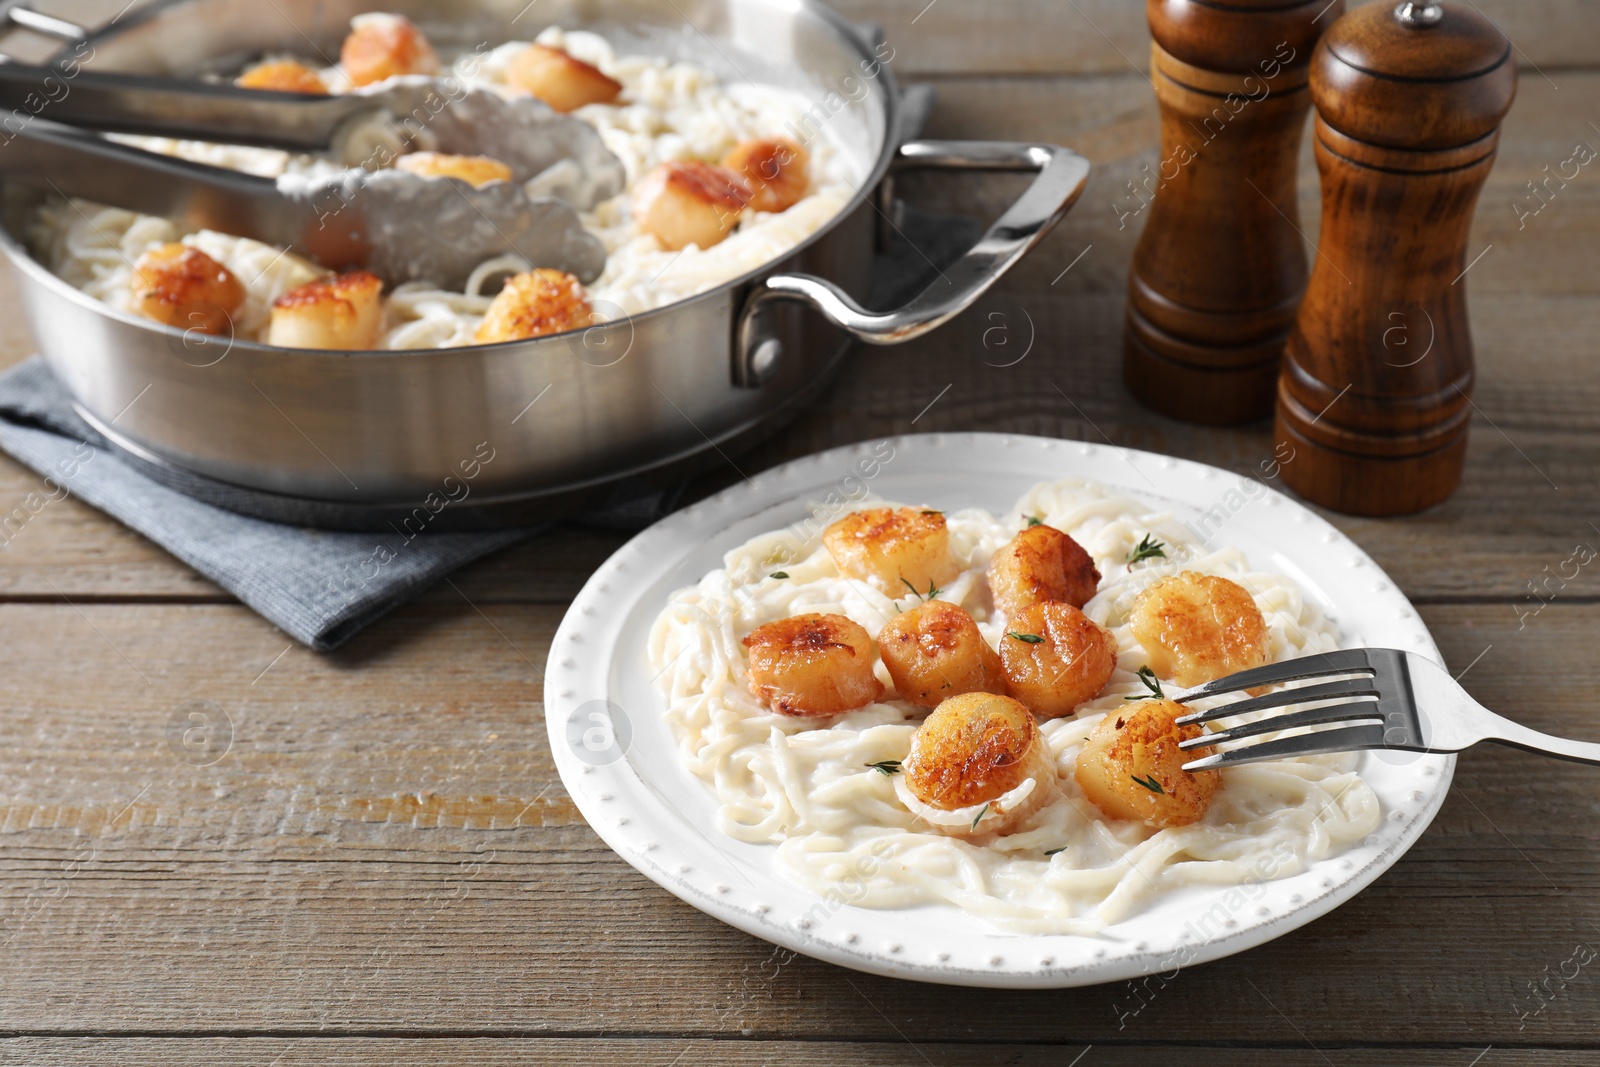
(1381, 698)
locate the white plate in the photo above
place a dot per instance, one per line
(619, 761)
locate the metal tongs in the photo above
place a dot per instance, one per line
(398, 225)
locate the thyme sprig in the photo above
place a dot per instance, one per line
(981, 813)
(1149, 548)
(932, 592)
(885, 767)
(1149, 783)
(1032, 639)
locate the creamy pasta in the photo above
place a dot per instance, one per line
(808, 788)
(667, 111)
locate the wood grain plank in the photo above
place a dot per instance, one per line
(1049, 37)
(69, 549)
(655, 1052)
(384, 847)
(1112, 119)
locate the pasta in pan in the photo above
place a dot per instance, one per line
(832, 796)
(665, 112)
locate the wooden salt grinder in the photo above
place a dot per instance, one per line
(1220, 266)
(1373, 398)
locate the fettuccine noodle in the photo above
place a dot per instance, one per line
(807, 789)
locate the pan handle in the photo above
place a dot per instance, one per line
(1062, 174)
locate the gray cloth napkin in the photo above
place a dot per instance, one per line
(321, 587)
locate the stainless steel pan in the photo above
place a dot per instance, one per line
(353, 439)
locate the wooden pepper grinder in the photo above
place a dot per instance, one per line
(1219, 269)
(1373, 398)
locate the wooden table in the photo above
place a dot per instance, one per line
(384, 866)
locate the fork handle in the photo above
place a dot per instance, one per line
(1458, 722)
(1506, 732)
(1452, 720)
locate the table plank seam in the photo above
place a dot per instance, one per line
(526, 1034)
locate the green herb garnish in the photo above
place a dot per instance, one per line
(1149, 783)
(981, 813)
(778, 574)
(1034, 520)
(1053, 851)
(1152, 683)
(1032, 639)
(932, 592)
(1149, 548)
(886, 767)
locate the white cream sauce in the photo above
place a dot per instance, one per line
(806, 786)
(667, 111)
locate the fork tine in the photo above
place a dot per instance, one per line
(1353, 712)
(1348, 687)
(1344, 739)
(1344, 661)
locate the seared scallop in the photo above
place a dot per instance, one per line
(1055, 658)
(978, 766)
(342, 311)
(935, 651)
(1196, 627)
(283, 76)
(1132, 768)
(1039, 565)
(812, 665)
(533, 304)
(775, 168)
(561, 80)
(689, 203)
(893, 549)
(381, 45)
(474, 170)
(183, 287)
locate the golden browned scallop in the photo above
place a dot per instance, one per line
(561, 80)
(381, 45)
(1041, 564)
(775, 168)
(474, 170)
(893, 548)
(183, 287)
(812, 665)
(535, 303)
(689, 203)
(1196, 627)
(1055, 658)
(1132, 768)
(282, 76)
(973, 750)
(342, 311)
(935, 651)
